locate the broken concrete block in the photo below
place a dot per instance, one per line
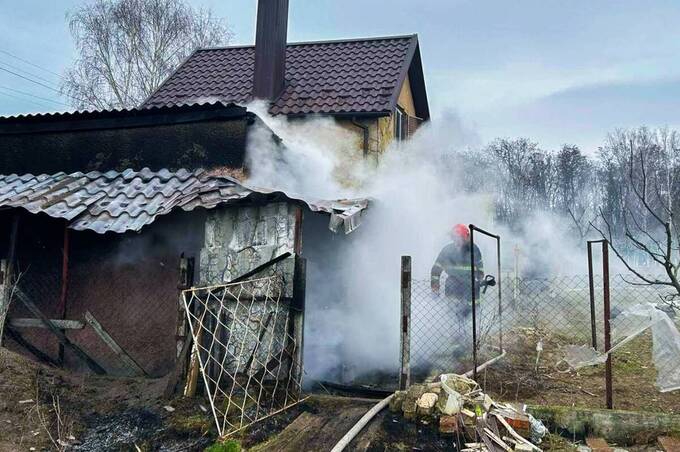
(397, 401)
(449, 425)
(426, 403)
(409, 409)
(409, 405)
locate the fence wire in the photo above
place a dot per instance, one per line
(245, 343)
(539, 317)
(441, 327)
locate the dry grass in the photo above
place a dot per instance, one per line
(515, 379)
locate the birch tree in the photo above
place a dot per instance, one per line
(126, 48)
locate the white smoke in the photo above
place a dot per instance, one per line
(352, 314)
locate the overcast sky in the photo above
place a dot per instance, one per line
(555, 71)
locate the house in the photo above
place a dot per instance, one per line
(102, 213)
(374, 87)
(98, 211)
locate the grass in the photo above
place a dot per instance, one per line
(226, 446)
(634, 376)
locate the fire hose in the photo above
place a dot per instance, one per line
(366, 418)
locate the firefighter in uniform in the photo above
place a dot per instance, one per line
(454, 260)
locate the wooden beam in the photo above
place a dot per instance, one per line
(7, 273)
(91, 363)
(113, 345)
(37, 323)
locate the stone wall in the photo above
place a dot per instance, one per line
(238, 239)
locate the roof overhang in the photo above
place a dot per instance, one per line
(124, 118)
(129, 200)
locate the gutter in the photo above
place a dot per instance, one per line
(365, 129)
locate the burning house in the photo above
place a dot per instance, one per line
(100, 239)
(126, 232)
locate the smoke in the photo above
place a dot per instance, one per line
(352, 313)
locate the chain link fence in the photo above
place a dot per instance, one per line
(245, 342)
(538, 322)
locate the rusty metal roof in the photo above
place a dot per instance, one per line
(351, 76)
(127, 201)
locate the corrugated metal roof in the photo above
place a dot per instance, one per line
(127, 201)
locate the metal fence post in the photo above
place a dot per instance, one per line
(591, 286)
(405, 375)
(474, 304)
(607, 318)
(500, 296)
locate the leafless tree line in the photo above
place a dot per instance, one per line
(627, 192)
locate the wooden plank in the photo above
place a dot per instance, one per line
(61, 337)
(7, 277)
(178, 371)
(113, 345)
(37, 323)
(514, 434)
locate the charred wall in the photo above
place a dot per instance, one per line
(180, 140)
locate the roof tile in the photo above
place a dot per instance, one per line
(324, 77)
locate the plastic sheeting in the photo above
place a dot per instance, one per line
(629, 324)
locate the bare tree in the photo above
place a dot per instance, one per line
(644, 213)
(576, 188)
(126, 48)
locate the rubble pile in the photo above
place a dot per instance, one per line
(461, 409)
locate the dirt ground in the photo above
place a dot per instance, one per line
(514, 378)
(43, 408)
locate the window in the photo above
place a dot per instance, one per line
(400, 124)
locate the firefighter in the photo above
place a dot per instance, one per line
(454, 260)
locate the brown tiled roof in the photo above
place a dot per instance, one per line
(332, 77)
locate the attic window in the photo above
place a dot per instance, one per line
(400, 124)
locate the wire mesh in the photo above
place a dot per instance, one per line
(539, 317)
(245, 343)
(441, 327)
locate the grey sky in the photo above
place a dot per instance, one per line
(557, 72)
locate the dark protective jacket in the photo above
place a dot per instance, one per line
(454, 260)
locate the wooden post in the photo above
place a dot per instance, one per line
(7, 274)
(298, 315)
(64, 284)
(5, 294)
(405, 374)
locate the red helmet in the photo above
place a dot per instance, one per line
(461, 230)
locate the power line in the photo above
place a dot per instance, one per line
(27, 72)
(38, 83)
(29, 63)
(25, 100)
(33, 95)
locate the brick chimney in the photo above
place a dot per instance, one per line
(270, 48)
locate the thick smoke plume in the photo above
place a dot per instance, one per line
(418, 195)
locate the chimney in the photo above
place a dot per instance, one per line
(270, 49)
